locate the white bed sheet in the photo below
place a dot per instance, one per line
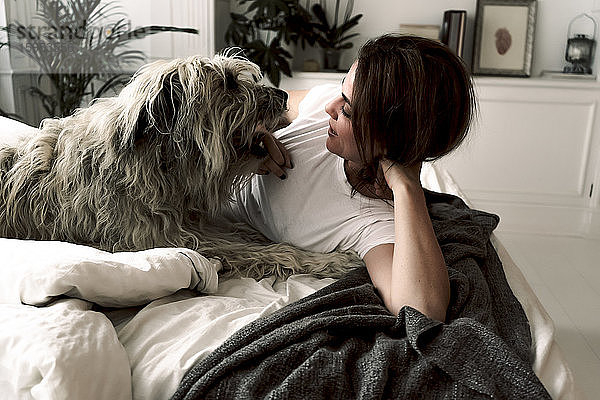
(68, 348)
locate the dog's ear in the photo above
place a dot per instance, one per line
(142, 128)
(159, 115)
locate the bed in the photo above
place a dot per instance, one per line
(79, 323)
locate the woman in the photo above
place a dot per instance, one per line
(404, 101)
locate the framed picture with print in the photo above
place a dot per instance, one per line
(504, 33)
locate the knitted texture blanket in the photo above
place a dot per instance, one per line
(342, 343)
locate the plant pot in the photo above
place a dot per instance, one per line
(331, 59)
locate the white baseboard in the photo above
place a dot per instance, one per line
(544, 219)
(593, 224)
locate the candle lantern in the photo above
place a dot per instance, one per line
(580, 49)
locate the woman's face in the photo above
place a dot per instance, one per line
(341, 138)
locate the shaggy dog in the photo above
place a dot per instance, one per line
(153, 167)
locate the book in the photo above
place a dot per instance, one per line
(426, 31)
(453, 30)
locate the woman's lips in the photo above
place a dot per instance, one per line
(331, 132)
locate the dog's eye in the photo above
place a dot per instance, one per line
(230, 82)
(258, 149)
(237, 142)
(259, 139)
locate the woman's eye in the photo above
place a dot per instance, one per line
(344, 112)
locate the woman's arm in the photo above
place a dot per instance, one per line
(411, 271)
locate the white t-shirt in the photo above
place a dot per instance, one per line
(313, 208)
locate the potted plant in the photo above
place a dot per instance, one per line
(264, 29)
(334, 38)
(77, 56)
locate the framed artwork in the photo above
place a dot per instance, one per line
(504, 31)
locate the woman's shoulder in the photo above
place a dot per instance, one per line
(311, 103)
(294, 100)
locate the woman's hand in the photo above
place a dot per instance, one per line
(396, 176)
(278, 158)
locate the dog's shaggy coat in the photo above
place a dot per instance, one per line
(153, 167)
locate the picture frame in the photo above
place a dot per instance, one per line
(504, 36)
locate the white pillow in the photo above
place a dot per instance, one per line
(35, 272)
(12, 131)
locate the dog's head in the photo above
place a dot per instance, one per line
(203, 118)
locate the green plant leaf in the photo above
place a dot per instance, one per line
(352, 22)
(238, 31)
(333, 36)
(112, 83)
(48, 102)
(144, 31)
(321, 17)
(268, 8)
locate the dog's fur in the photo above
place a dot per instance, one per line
(153, 167)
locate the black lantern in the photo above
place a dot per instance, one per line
(580, 50)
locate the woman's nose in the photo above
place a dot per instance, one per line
(331, 110)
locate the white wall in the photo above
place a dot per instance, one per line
(198, 14)
(6, 98)
(382, 16)
(553, 18)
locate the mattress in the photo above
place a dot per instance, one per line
(66, 314)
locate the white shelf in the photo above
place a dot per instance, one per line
(539, 81)
(562, 83)
(318, 75)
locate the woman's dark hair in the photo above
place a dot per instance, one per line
(412, 101)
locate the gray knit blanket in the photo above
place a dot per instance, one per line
(342, 343)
